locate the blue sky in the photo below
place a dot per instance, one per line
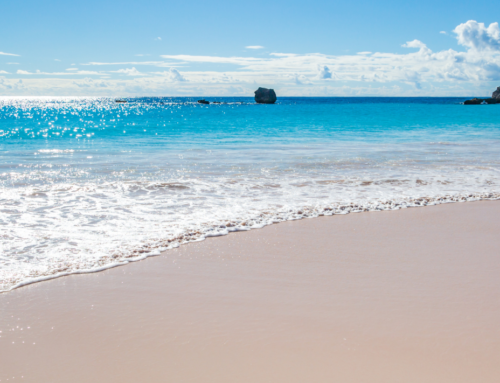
(128, 48)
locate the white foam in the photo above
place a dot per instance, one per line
(59, 229)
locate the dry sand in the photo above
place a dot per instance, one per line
(404, 296)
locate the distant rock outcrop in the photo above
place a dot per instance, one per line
(203, 102)
(495, 99)
(474, 101)
(265, 96)
(482, 101)
(496, 94)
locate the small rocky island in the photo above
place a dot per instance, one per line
(265, 96)
(495, 99)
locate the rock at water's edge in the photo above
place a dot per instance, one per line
(203, 102)
(496, 94)
(265, 96)
(495, 99)
(482, 101)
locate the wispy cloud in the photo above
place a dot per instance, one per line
(128, 72)
(150, 63)
(8, 54)
(3, 72)
(254, 47)
(78, 72)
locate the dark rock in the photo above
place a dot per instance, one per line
(474, 101)
(492, 100)
(265, 96)
(121, 101)
(495, 99)
(482, 101)
(203, 102)
(496, 94)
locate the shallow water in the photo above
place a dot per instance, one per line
(86, 183)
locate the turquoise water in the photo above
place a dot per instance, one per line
(86, 183)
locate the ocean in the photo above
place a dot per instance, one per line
(88, 183)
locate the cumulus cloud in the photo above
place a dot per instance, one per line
(8, 54)
(324, 72)
(477, 36)
(172, 75)
(414, 44)
(175, 75)
(299, 79)
(3, 72)
(254, 47)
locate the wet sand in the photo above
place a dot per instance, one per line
(401, 296)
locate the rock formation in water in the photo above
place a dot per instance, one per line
(495, 99)
(265, 96)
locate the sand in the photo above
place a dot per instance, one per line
(401, 296)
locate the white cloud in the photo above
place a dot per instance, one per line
(175, 75)
(299, 79)
(172, 75)
(72, 69)
(3, 72)
(128, 72)
(148, 63)
(443, 32)
(324, 73)
(38, 72)
(8, 54)
(421, 71)
(476, 36)
(254, 47)
(158, 38)
(414, 44)
(13, 64)
(90, 83)
(57, 60)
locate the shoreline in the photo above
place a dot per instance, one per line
(408, 295)
(301, 213)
